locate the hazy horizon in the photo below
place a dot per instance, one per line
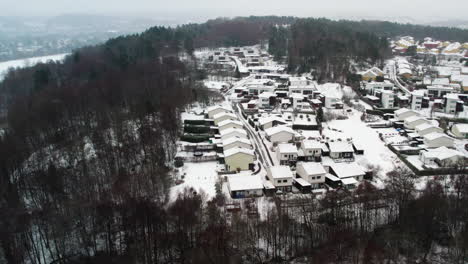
(416, 11)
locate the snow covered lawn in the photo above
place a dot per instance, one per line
(21, 63)
(200, 176)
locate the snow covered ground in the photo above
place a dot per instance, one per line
(375, 151)
(4, 66)
(201, 177)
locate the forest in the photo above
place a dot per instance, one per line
(86, 157)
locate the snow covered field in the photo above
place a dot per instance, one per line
(199, 176)
(4, 66)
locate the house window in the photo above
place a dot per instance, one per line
(285, 181)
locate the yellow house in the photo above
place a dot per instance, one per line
(372, 74)
(465, 45)
(239, 159)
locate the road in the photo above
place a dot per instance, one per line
(393, 75)
(256, 140)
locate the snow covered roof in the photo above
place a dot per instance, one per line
(463, 128)
(340, 147)
(244, 182)
(435, 136)
(275, 130)
(226, 122)
(310, 121)
(266, 120)
(412, 119)
(403, 111)
(424, 126)
(346, 170)
(234, 151)
(312, 168)
(216, 107)
(302, 182)
(349, 181)
(311, 144)
(231, 140)
(266, 95)
(287, 148)
(220, 115)
(452, 96)
(441, 81)
(280, 172)
(232, 130)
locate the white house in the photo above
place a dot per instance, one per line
(223, 116)
(450, 103)
(414, 121)
(460, 130)
(347, 170)
(403, 113)
(281, 177)
(266, 100)
(287, 154)
(312, 172)
(271, 121)
(373, 87)
(299, 81)
(436, 140)
(441, 157)
(388, 99)
(341, 150)
(241, 186)
(417, 99)
(236, 142)
(239, 159)
(233, 132)
(280, 134)
(214, 110)
(312, 149)
(427, 128)
(226, 124)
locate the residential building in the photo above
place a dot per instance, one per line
(226, 124)
(403, 113)
(223, 116)
(417, 99)
(438, 91)
(233, 132)
(388, 99)
(427, 128)
(236, 142)
(341, 150)
(413, 121)
(281, 177)
(280, 134)
(452, 104)
(311, 150)
(239, 159)
(441, 157)
(241, 186)
(372, 88)
(270, 121)
(347, 175)
(287, 154)
(266, 100)
(436, 140)
(460, 130)
(314, 173)
(214, 110)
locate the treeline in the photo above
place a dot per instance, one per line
(327, 48)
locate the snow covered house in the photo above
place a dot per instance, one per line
(441, 157)
(239, 159)
(460, 130)
(311, 150)
(287, 154)
(280, 134)
(372, 74)
(414, 121)
(241, 186)
(236, 142)
(281, 177)
(218, 118)
(341, 150)
(349, 175)
(271, 121)
(403, 113)
(233, 132)
(217, 109)
(227, 124)
(427, 128)
(436, 140)
(312, 172)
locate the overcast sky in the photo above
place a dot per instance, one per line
(417, 9)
